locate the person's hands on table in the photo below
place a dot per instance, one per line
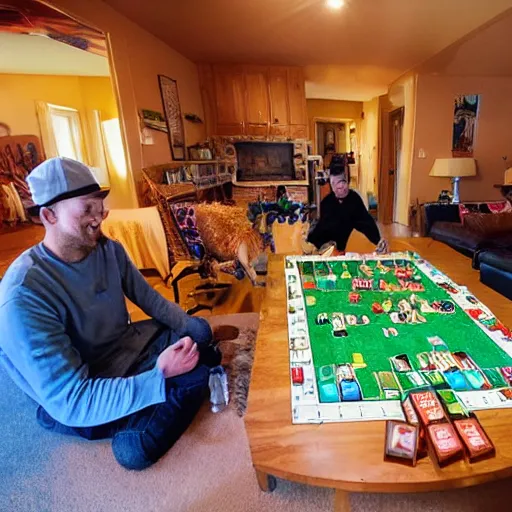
(179, 358)
(382, 246)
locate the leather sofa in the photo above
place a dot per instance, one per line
(496, 270)
(491, 255)
(443, 223)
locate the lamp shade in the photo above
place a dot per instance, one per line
(453, 167)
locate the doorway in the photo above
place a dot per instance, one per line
(59, 100)
(331, 139)
(331, 136)
(390, 174)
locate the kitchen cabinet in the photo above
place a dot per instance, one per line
(229, 100)
(254, 100)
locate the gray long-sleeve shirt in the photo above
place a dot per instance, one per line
(65, 337)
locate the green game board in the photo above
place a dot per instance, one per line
(316, 286)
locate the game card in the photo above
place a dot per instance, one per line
(478, 445)
(401, 442)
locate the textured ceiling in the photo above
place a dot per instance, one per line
(374, 41)
(34, 55)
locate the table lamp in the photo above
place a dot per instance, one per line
(454, 168)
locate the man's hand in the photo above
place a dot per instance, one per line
(179, 358)
(382, 247)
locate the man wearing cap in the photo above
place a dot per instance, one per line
(66, 338)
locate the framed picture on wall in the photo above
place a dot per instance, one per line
(172, 110)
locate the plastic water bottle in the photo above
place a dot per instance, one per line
(219, 393)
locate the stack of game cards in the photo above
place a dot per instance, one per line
(412, 419)
(476, 442)
(442, 437)
(478, 445)
(401, 442)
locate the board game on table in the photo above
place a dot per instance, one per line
(366, 330)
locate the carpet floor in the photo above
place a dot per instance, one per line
(208, 470)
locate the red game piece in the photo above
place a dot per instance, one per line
(298, 375)
(377, 308)
(446, 443)
(428, 407)
(478, 445)
(354, 297)
(474, 313)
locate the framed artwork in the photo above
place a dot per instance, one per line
(465, 116)
(154, 120)
(172, 110)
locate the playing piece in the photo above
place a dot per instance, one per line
(445, 442)
(358, 361)
(310, 300)
(387, 305)
(428, 407)
(345, 372)
(401, 444)
(351, 319)
(377, 308)
(452, 404)
(297, 375)
(354, 297)
(478, 445)
(350, 391)
(401, 363)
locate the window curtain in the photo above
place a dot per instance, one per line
(46, 127)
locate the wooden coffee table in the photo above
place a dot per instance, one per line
(349, 456)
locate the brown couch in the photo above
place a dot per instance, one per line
(443, 223)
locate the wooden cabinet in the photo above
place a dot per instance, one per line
(257, 105)
(229, 100)
(254, 100)
(278, 89)
(298, 119)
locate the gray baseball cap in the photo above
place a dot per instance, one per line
(62, 178)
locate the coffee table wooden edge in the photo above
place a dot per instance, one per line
(382, 487)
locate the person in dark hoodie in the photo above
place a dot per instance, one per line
(342, 211)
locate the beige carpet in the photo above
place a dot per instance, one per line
(209, 470)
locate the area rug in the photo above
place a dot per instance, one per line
(240, 368)
(237, 342)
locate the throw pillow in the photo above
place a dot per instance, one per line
(185, 216)
(463, 211)
(489, 225)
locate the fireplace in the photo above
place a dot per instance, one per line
(265, 161)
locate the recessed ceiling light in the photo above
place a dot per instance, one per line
(335, 4)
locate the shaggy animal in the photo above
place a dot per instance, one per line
(228, 235)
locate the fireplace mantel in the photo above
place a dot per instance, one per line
(225, 148)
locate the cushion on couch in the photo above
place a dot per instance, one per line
(487, 225)
(498, 258)
(456, 235)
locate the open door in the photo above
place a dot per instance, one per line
(391, 165)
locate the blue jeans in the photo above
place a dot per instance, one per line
(141, 438)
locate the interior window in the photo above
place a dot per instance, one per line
(66, 127)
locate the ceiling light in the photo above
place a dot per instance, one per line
(335, 4)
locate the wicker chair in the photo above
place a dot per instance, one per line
(184, 261)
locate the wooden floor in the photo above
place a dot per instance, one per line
(14, 242)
